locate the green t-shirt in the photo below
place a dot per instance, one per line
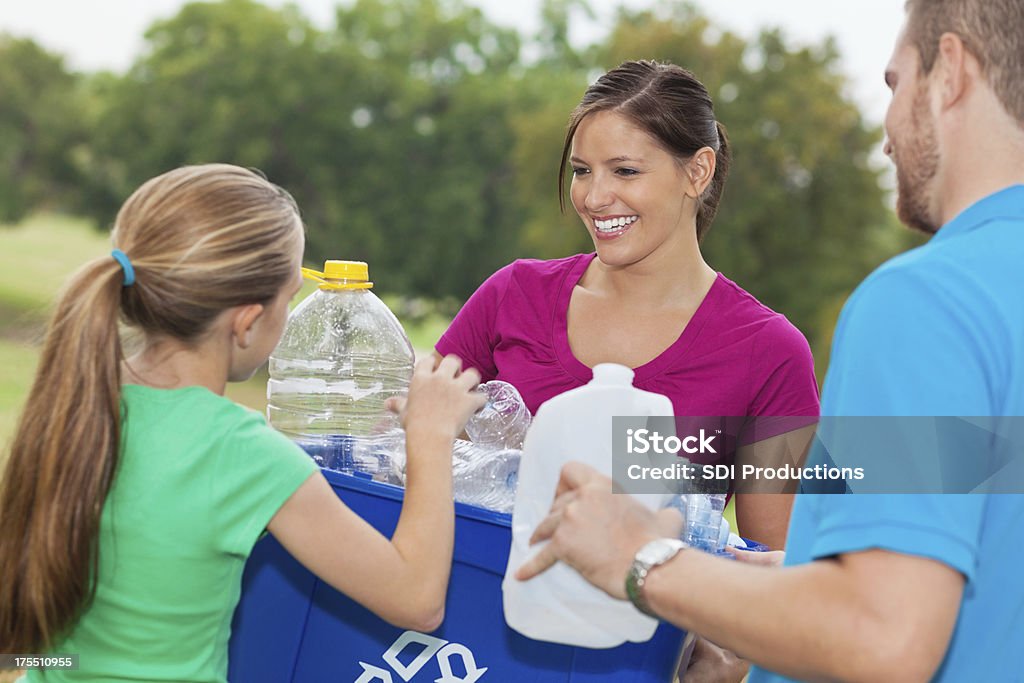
(199, 479)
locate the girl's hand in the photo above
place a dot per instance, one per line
(442, 397)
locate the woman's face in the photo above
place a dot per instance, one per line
(629, 192)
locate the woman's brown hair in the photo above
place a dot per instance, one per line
(668, 103)
(201, 239)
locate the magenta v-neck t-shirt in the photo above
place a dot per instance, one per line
(736, 357)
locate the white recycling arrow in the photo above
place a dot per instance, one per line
(444, 663)
(372, 673)
(431, 646)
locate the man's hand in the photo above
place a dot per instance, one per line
(595, 531)
(712, 664)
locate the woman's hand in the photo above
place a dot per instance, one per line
(771, 558)
(712, 664)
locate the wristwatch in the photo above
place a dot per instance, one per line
(653, 554)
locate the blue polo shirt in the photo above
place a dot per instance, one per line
(937, 331)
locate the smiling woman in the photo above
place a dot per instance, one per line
(649, 162)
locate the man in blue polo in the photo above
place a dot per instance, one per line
(882, 587)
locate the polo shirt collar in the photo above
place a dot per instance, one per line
(1006, 203)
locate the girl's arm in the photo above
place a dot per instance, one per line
(403, 580)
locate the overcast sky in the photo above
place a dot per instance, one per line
(107, 34)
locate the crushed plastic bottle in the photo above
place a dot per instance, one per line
(485, 477)
(705, 528)
(382, 456)
(482, 476)
(704, 521)
(504, 419)
(342, 355)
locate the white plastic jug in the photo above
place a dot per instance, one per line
(559, 605)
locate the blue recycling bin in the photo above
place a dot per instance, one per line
(290, 626)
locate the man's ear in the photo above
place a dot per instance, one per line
(957, 67)
(700, 169)
(242, 320)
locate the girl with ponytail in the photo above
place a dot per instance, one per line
(134, 491)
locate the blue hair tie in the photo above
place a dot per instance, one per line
(126, 266)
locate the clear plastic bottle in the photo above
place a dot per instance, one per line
(704, 522)
(485, 477)
(559, 605)
(342, 355)
(504, 419)
(381, 456)
(481, 475)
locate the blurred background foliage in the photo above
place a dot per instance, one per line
(422, 138)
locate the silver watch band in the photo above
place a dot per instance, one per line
(651, 555)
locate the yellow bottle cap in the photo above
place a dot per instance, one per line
(346, 270)
(341, 275)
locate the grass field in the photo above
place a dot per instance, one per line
(17, 365)
(37, 256)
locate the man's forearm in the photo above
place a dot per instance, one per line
(810, 622)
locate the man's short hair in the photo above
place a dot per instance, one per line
(992, 30)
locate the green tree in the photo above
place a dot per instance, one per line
(40, 132)
(556, 16)
(426, 180)
(546, 97)
(390, 129)
(218, 82)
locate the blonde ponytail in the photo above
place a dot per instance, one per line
(61, 465)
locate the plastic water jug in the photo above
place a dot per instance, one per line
(559, 605)
(342, 355)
